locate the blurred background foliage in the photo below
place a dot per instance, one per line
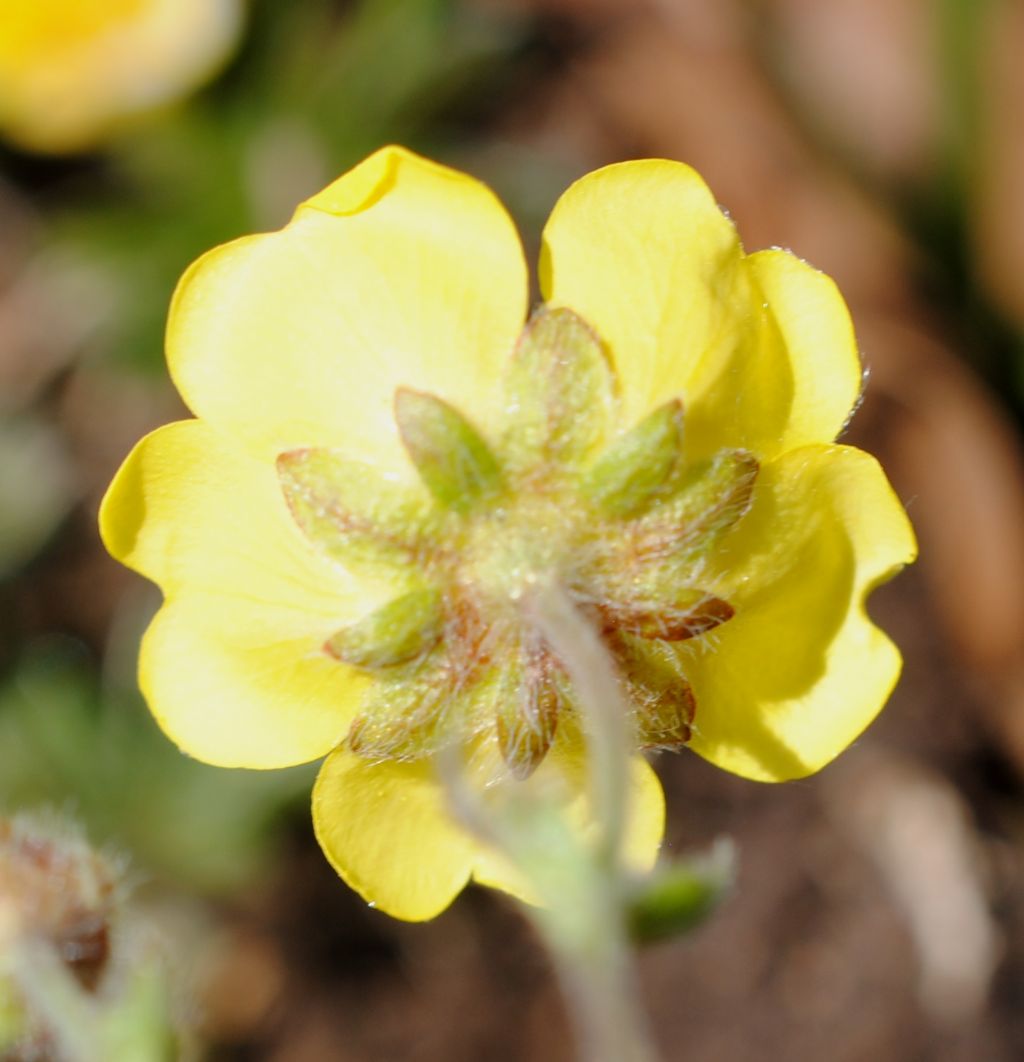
(880, 909)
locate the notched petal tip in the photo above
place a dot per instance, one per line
(367, 183)
(836, 528)
(379, 175)
(122, 509)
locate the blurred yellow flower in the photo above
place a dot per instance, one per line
(73, 70)
(385, 465)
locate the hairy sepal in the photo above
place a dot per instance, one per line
(637, 469)
(349, 511)
(396, 633)
(450, 455)
(559, 394)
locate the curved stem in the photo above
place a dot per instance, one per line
(605, 711)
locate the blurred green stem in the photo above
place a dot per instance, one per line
(599, 981)
(596, 965)
(605, 713)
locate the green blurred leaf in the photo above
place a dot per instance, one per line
(677, 897)
(36, 489)
(63, 743)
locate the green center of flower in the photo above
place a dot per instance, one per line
(506, 554)
(623, 522)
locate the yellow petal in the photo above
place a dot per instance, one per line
(232, 685)
(814, 326)
(190, 510)
(800, 671)
(759, 349)
(386, 830)
(232, 666)
(400, 274)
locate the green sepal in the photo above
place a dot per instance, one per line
(452, 458)
(349, 511)
(707, 502)
(400, 631)
(403, 716)
(677, 897)
(559, 393)
(526, 709)
(638, 467)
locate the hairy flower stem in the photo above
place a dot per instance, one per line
(605, 712)
(599, 982)
(580, 916)
(596, 966)
(580, 885)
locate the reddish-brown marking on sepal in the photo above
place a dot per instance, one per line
(667, 623)
(84, 945)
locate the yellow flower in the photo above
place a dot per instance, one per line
(73, 70)
(385, 464)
